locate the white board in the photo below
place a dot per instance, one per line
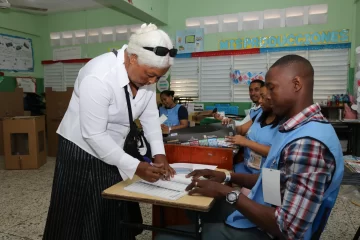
(66, 53)
(16, 54)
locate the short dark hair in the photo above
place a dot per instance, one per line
(168, 93)
(261, 82)
(295, 59)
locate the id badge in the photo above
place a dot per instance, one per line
(255, 160)
(271, 186)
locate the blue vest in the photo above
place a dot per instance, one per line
(261, 135)
(322, 132)
(172, 115)
(254, 112)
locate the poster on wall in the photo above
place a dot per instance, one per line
(163, 83)
(16, 54)
(28, 84)
(246, 77)
(190, 40)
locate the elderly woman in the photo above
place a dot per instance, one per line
(99, 143)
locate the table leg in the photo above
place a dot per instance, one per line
(357, 235)
(198, 226)
(162, 216)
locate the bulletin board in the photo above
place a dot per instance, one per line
(16, 54)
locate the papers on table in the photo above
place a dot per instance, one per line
(173, 189)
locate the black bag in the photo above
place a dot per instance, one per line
(135, 139)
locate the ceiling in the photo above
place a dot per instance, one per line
(54, 6)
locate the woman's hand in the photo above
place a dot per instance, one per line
(208, 188)
(212, 175)
(237, 140)
(150, 173)
(169, 171)
(165, 129)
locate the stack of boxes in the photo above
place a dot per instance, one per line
(22, 138)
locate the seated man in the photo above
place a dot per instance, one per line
(254, 92)
(258, 134)
(306, 157)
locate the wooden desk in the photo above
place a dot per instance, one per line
(194, 203)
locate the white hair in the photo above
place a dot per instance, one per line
(150, 36)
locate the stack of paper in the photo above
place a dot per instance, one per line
(173, 189)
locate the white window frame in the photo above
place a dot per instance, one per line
(330, 65)
(59, 76)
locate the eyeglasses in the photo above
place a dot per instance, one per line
(162, 51)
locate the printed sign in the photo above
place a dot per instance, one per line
(287, 40)
(190, 40)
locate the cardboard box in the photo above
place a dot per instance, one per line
(56, 106)
(12, 104)
(24, 142)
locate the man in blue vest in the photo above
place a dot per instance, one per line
(294, 193)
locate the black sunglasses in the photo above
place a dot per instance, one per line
(162, 51)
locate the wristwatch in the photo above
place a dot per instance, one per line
(233, 196)
(227, 177)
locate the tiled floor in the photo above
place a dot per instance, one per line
(25, 195)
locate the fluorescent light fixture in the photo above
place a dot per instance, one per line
(80, 33)
(67, 35)
(54, 36)
(93, 32)
(107, 30)
(193, 22)
(318, 9)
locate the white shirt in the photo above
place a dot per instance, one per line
(247, 118)
(97, 117)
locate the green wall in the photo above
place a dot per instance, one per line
(340, 16)
(88, 19)
(357, 17)
(27, 26)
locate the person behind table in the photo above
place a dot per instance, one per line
(308, 155)
(254, 93)
(177, 115)
(256, 136)
(97, 146)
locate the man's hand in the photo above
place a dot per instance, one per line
(169, 171)
(212, 175)
(150, 173)
(237, 140)
(208, 188)
(165, 129)
(226, 121)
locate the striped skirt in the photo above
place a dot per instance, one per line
(77, 211)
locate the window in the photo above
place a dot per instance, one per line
(331, 72)
(209, 76)
(215, 83)
(71, 71)
(60, 76)
(248, 63)
(53, 76)
(185, 77)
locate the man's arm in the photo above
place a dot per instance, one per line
(308, 166)
(244, 180)
(243, 129)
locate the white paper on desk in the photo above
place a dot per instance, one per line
(193, 166)
(162, 119)
(144, 187)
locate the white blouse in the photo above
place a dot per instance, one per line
(97, 117)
